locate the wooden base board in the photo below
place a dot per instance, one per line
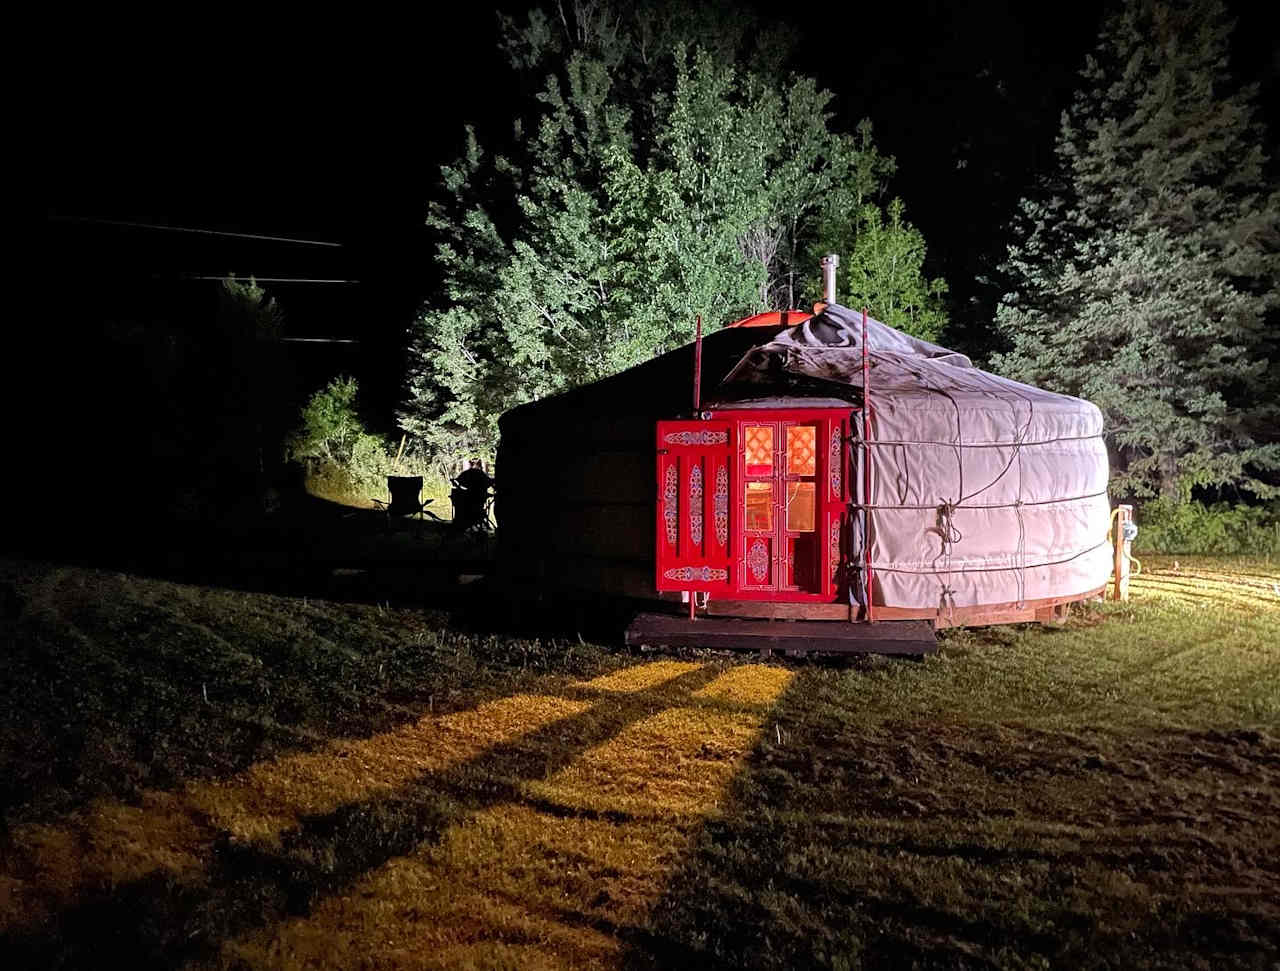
(1044, 610)
(914, 638)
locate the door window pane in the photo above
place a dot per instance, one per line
(803, 571)
(759, 506)
(800, 507)
(802, 450)
(757, 444)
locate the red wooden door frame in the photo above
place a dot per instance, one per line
(695, 516)
(831, 491)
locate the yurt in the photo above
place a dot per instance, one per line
(809, 467)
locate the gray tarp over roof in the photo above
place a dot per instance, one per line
(984, 490)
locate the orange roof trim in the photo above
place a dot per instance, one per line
(772, 318)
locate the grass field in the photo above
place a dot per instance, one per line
(203, 777)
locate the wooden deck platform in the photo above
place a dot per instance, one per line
(908, 637)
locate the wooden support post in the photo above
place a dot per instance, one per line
(697, 370)
(866, 465)
(1123, 515)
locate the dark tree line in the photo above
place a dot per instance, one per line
(672, 163)
(1144, 275)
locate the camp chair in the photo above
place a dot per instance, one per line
(471, 510)
(405, 498)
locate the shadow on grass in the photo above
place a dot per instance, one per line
(115, 683)
(307, 546)
(161, 921)
(312, 547)
(848, 842)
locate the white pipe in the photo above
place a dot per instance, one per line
(829, 264)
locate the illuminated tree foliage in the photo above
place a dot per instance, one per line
(651, 180)
(886, 271)
(1145, 275)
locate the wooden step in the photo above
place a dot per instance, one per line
(911, 637)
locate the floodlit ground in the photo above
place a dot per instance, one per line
(194, 776)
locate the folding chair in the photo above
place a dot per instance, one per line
(471, 511)
(405, 498)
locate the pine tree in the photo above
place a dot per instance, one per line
(886, 274)
(667, 169)
(1145, 275)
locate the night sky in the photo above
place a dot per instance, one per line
(333, 129)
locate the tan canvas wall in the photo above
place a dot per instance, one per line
(983, 490)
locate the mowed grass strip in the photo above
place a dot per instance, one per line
(1103, 793)
(564, 873)
(116, 684)
(638, 677)
(155, 677)
(108, 844)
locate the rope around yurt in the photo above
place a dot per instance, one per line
(949, 535)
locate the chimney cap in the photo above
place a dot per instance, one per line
(829, 264)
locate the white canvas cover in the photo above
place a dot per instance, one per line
(984, 491)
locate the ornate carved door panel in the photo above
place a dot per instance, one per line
(694, 516)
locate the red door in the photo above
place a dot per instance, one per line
(694, 466)
(761, 503)
(789, 539)
(782, 539)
